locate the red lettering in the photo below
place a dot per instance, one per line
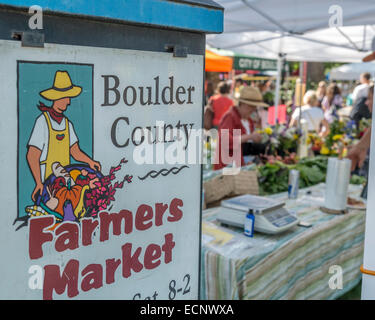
(93, 277)
(115, 219)
(144, 213)
(167, 247)
(67, 236)
(130, 261)
(37, 237)
(174, 210)
(92, 274)
(54, 281)
(152, 253)
(143, 220)
(88, 226)
(111, 267)
(160, 209)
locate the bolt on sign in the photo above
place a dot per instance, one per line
(84, 219)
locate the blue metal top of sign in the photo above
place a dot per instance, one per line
(194, 15)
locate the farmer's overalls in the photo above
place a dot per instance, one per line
(58, 146)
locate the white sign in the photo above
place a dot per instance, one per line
(97, 203)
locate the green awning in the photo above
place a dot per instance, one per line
(245, 62)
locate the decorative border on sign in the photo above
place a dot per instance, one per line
(164, 172)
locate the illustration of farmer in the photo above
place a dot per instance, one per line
(53, 139)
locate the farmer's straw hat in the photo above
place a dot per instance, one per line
(251, 96)
(62, 88)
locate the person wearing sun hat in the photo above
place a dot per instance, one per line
(241, 116)
(53, 138)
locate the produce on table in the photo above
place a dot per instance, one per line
(288, 159)
(356, 179)
(280, 154)
(273, 177)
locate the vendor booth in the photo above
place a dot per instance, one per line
(321, 31)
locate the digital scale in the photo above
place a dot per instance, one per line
(270, 216)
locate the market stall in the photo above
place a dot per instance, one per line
(292, 265)
(320, 31)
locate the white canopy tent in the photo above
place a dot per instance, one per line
(297, 30)
(352, 71)
(305, 30)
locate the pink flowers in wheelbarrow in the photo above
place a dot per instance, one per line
(100, 196)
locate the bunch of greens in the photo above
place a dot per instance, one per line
(355, 179)
(273, 178)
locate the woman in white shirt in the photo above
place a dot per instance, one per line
(312, 114)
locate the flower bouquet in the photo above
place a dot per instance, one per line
(315, 141)
(281, 141)
(341, 135)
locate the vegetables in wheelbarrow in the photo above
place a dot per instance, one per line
(68, 193)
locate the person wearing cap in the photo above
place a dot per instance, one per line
(53, 138)
(241, 117)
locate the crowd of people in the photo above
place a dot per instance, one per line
(242, 106)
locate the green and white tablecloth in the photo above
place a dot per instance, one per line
(293, 265)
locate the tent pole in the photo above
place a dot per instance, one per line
(368, 278)
(348, 38)
(364, 37)
(277, 89)
(301, 72)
